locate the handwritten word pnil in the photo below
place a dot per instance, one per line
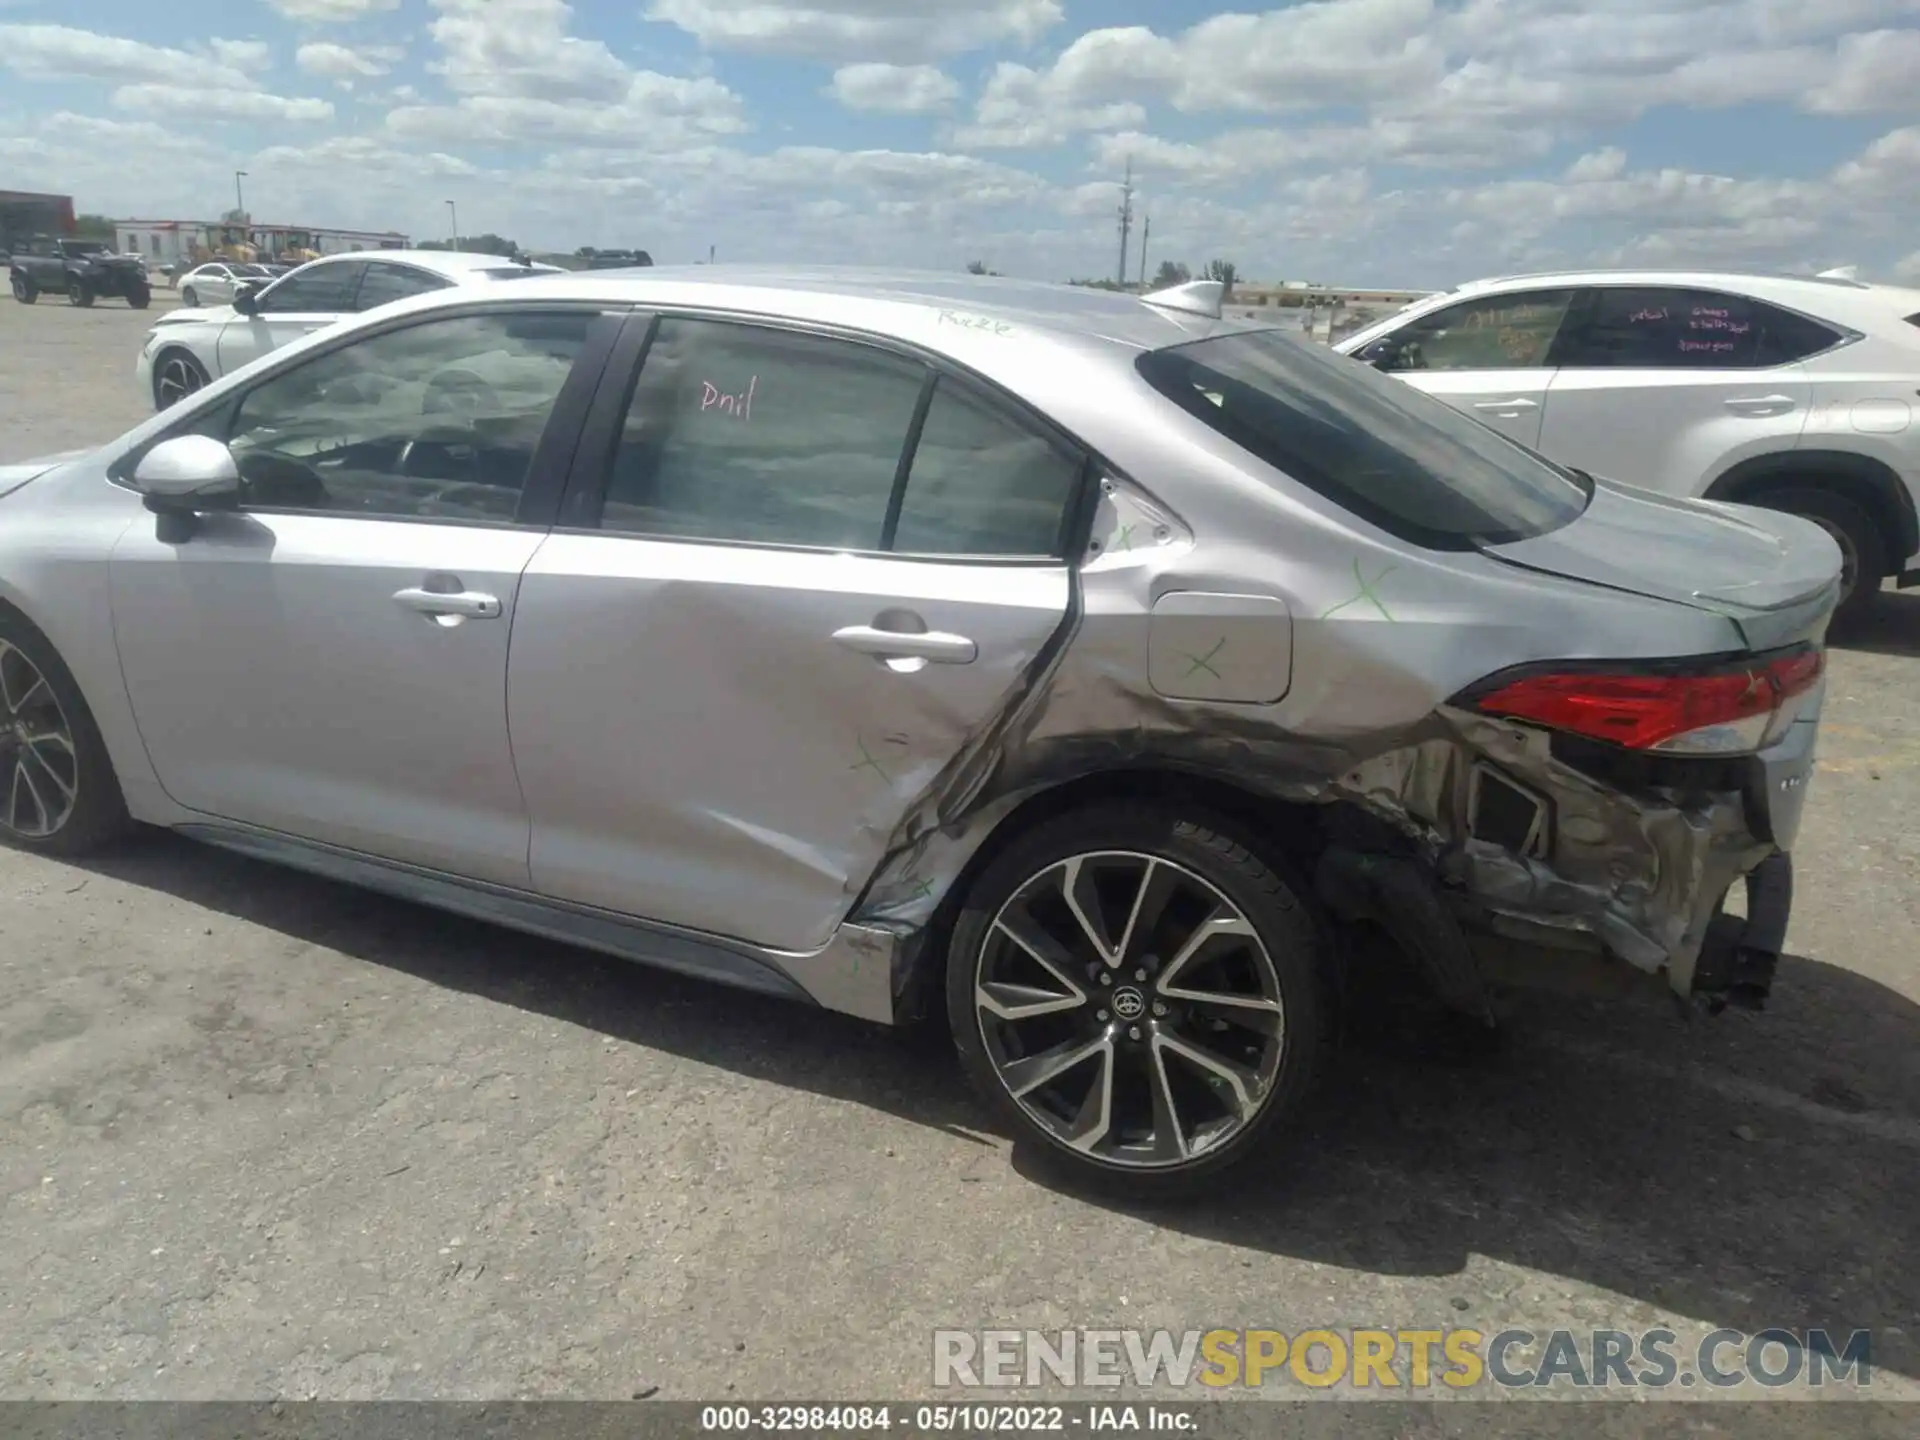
(740, 405)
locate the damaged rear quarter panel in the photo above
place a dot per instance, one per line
(1382, 635)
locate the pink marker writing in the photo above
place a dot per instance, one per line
(741, 405)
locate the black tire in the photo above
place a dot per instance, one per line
(139, 297)
(1264, 890)
(24, 290)
(79, 295)
(1853, 529)
(190, 370)
(99, 813)
(190, 298)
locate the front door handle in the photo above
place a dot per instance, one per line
(464, 604)
(1507, 406)
(1760, 404)
(931, 645)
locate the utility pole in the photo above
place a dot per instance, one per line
(1146, 233)
(239, 199)
(1126, 221)
(453, 219)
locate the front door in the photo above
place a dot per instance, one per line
(310, 299)
(330, 662)
(725, 701)
(1489, 357)
(1664, 387)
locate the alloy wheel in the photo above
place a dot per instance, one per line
(1130, 1009)
(39, 764)
(178, 378)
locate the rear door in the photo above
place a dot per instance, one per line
(799, 573)
(1665, 388)
(1490, 356)
(309, 299)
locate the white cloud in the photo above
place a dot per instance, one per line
(322, 12)
(894, 89)
(243, 54)
(1021, 108)
(1907, 270)
(190, 103)
(521, 48)
(343, 62)
(1878, 71)
(904, 31)
(59, 52)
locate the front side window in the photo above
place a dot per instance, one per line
(313, 290)
(1375, 446)
(439, 420)
(386, 282)
(752, 434)
(1669, 328)
(1495, 332)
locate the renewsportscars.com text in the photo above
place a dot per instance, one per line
(1383, 1359)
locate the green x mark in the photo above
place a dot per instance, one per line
(923, 891)
(867, 762)
(1366, 592)
(1125, 537)
(1205, 662)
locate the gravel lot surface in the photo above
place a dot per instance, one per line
(261, 1135)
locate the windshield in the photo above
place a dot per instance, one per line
(1375, 446)
(85, 247)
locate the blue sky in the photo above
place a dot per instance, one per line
(1391, 142)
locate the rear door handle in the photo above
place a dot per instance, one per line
(931, 645)
(467, 604)
(1521, 403)
(1761, 404)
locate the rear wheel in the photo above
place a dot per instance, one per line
(190, 298)
(1863, 551)
(140, 297)
(1138, 992)
(24, 290)
(176, 375)
(58, 793)
(79, 294)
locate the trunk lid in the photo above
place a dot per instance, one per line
(1775, 576)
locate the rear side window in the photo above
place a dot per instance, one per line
(983, 482)
(1375, 446)
(747, 433)
(385, 283)
(1668, 328)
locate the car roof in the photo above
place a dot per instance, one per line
(894, 302)
(451, 263)
(1858, 303)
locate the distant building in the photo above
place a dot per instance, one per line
(1298, 295)
(180, 242)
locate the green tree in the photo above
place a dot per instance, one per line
(1225, 271)
(1171, 273)
(92, 227)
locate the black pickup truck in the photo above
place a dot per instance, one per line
(81, 270)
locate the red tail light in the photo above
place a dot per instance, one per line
(1717, 712)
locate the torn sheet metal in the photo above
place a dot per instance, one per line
(1378, 642)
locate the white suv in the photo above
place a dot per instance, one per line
(1790, 392)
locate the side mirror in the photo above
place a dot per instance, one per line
(246, 299)
(183, 478)
(1379, 354)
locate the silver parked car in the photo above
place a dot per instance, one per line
(1086, 661)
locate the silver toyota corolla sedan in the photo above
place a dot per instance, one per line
(1082, 663)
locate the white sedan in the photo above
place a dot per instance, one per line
(215, 283)
(188, 348)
